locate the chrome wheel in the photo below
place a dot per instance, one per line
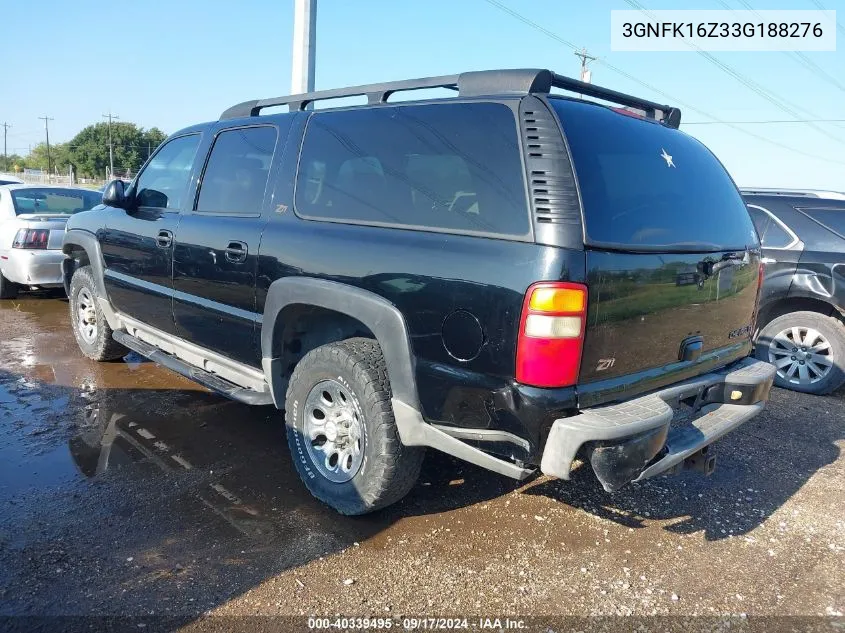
(801, 354)
(86, 316)
(334, 429)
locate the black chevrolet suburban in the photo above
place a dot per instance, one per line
(510, 275)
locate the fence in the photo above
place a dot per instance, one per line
(55, 179)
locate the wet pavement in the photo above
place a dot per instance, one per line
(127, 490)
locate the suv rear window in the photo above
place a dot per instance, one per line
(648, 187)
(451, 167)
(51, 200)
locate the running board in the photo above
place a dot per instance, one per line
(200, 376)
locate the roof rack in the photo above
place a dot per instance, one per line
(468, 84)
(796, 193)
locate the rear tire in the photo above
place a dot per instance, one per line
(8, 289)
(90, 327)
(341, 430)
(814, 366)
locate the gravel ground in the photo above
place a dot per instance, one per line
(128, 491)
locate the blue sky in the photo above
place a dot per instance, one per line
(171, 64)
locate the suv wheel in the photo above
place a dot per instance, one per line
(341, 430)
(808, 350)
(8, 290)
(92, 331)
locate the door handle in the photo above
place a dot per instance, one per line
(164, 238)
(768, 260)
(236, 252)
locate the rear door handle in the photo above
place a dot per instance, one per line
(236, 252)
(164, 238)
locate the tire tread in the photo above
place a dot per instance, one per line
(396, 467)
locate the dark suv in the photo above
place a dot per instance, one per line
(802, 303)
(510, 276)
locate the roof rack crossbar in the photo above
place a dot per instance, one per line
(667, 114)
(375, 93)
(468, 84)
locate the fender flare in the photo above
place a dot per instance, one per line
(381, 317)
(89, 243)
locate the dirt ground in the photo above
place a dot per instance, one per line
(128, 491)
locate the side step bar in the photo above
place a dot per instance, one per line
(204, 378)
(415, 431)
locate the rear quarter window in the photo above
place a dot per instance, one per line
(448, 167)
(646, 186)
(831, 219)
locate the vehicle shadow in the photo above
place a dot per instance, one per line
(181, 497)
(759, 467)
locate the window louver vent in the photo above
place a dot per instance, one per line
(554, 197)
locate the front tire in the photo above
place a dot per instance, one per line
(808, 350)
(8, 289)
(341, 430)
(90, 327)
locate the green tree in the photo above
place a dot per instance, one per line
(89, 150)
(60, 157)
(11, 161)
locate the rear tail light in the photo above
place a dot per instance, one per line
(551, 334)
(31, 238)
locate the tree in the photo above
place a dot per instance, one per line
(89, 150)
(60, 157)
(11, 161)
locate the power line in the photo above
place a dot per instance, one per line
(777, 101)
(797, 56)
(821, 8)
(6, 127)
(110, 116)
(772, 121)
(47, 131)
(658, 91)
(585, 61)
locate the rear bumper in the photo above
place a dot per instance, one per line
(637, 439)
(33, 267)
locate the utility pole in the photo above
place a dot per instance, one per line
(111, 116)
(304, 46)
(46, 120)
(586, 74)
(6, 127)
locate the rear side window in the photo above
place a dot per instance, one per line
(772, 234)
(452, 167)
(165, 178)
(237, 170)
(648, 187)
(833, 219)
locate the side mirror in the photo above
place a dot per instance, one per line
(114, 195)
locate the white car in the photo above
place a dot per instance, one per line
(32, 226)
(10, 180)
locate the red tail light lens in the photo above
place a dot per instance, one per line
(551, 334)
(32, 238)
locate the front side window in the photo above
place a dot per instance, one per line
(165, 179)
(236, 174)
(772, 234)
(53, 200)
(452, 167)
